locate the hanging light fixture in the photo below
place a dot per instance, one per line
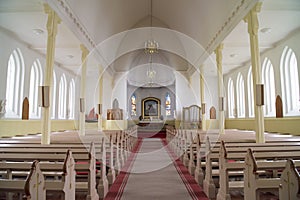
(151, 46)
(151, 73)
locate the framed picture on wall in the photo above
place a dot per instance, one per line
(151, 108)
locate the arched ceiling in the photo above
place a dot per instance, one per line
(208, 22)
(199, 19)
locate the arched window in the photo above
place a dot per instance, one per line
(35, 81)
(14, 84)
(269, 84)
(62, 97)
(250, 93)
(231, 103)
(133, 105)
(71, 99)
(240, 87)
(290, 82)
(54, 96)
(168, 104)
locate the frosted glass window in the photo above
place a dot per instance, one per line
(269, 87)
(62, 97)
(14, 84)
(35, 82)
(240, 86)
(250, 93)
(231, 103)
(290, 82)
(53, 104)
(71, 99)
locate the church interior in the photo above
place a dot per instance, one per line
(152, 99)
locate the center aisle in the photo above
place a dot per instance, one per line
(154, 174)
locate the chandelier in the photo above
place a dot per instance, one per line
(151, 46)
(151, 73)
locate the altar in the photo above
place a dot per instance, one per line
(151, 126)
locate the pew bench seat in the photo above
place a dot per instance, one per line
(12, 185)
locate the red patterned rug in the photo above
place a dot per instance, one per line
(116, 190)
(160, 134)
(188, 184)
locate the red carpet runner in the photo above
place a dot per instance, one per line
(116, 190)
(193, 189)
(190, 183)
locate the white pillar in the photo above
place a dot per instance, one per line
(100, 98)
(253, 26)
(83, 90)
(53, 21)
(218, 53)
(203, 105)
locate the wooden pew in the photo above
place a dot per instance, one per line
(289, 187)
(103, 182)
(233, 161)
(199, 174)
(35, 176)
(288, 183)
(35, 186)
(215, 154)
(125, 142)
(85, 162)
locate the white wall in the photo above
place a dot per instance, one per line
(8, 44)
(120, 92)
(107, 93)
(185, 94)
(274, 54)
(211, 96)
(92, 93)
(210, 91)
(195, 85)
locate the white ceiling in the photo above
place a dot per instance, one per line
(93, 21)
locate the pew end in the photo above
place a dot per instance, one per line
(34, 187)
(289, 187)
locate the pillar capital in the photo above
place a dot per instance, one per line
(53, 20)
(219, 48)
(218, 53)
(84, 50)
(252, 20)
